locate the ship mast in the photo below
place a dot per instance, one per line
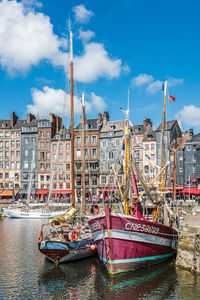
(162, 134)
(72, 121)
(127, 155)
(83, 154)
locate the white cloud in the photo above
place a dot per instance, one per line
(154, 87)
(26, 38)
(95, 63)
(86, 36)
(141, 80)
(58, 102)
(190, 115)
(31, 3)
(81, 14)
(174, 81)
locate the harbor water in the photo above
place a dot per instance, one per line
(25, 274)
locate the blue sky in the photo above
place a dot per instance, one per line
(118, 45)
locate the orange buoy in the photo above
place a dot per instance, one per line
(73, 235)
(40, 232)
(93, 247)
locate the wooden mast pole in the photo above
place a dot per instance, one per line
(83, 154)
(72, 121)
(162, 133)
(174, 173)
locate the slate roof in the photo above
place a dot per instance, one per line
(168, 125)
(150, 136)
(194, 139)
(91, 124)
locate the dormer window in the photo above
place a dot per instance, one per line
(57, 136)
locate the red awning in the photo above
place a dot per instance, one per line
(192, 190)
(107, 189)
(61, 192)
(42, 192)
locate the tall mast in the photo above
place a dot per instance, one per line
(72, 120)
(127, 155)
(174, 173)
(83, 153)
(163, 130)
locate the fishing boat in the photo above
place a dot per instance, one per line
(64, 240)
(127, 241)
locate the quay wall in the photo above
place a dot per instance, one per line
(188, 254)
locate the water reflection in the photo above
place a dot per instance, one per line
(25, 274)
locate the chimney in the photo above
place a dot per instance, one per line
(30, 117)
(105, 117)
(14, 119)
(99, 118)
(189, 133)
(147, 123)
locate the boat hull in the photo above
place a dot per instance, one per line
(126, 243)
(61, 252)
(31, 214)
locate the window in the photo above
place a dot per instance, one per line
(54, 186)
(7, 154)
(147, 146)
(67, 176)
(152, 156)
(41, 134)
(146, 169)
(60, 176)
(86, 140)
(68, 146)
(26, 152)
(7, 145)
(60, 167)
(67, 167)
(61, 186)
(54, 157)
(48, 134)
(42, 145)
(12, 134)
(48, 144)
(1, 134)
(42, 155)
(26, 140)
(78, 152)
(48, 165)
(104, 179)
(25, 164)
(111, 179)
(6, 175)
(42, 178)
(67, 156)
(94, 181)
(110, 155)
(18, 144)
(1, 144)
(12, 165)
(54, 147)
(1, 175)
(12, 144)
(7, 134)
(42, 166)
(94, 152)
(188, 148)
(78, 166)
(1, 154)
(1, 165)
(137, 154)
(152, 146)
(86, 152)
(181, 158)
(48, 155)
(18, 165)
(78, 140)
(94, 139)
(60, 156)
(54, 177)
(61, 147)
(194, 157)
(48, 177)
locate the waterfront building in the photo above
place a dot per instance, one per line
(46, 131)
(149, 155)
(92, 127)
(10, 151)
(61, 165)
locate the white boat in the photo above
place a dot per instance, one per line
(26, 213)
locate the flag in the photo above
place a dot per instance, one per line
(123, 144)
(163, 87)
(171, 98)
(119, 163)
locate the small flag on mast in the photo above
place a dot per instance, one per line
(171, 98)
